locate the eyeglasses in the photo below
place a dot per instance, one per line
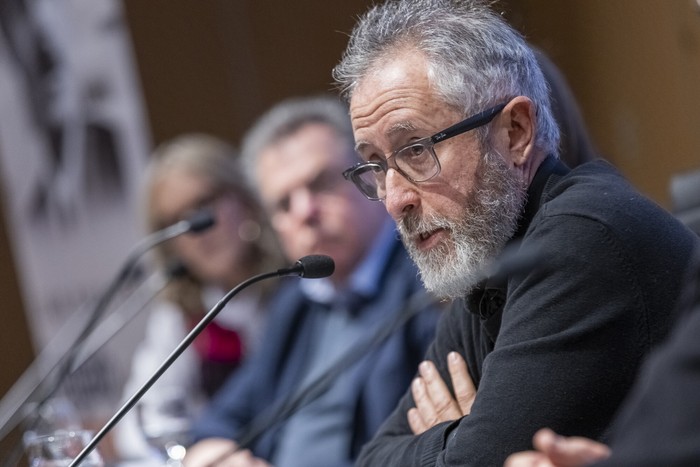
(416, 161)
(208, 200)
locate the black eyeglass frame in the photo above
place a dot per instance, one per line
(353, 174)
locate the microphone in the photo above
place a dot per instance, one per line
(200, 221)
(310, 267)
(10, 417)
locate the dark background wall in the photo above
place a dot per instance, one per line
(633, 64)
(215, 65)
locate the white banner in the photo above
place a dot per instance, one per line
(73, 144)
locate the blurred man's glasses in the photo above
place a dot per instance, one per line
(416, 161)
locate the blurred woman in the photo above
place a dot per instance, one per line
(188, 174)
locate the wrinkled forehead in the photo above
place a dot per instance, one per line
(395, 100)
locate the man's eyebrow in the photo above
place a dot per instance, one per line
(396, 128)
(359, 145)
(401, 127)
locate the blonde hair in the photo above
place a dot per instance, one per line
(217, 161)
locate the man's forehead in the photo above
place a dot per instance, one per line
(299, 164)
(394, 131)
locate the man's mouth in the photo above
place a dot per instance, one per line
(427, 240)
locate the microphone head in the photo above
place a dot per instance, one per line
(201, 220)
(175, 269)
(315, 266)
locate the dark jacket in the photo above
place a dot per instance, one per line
(559, 345)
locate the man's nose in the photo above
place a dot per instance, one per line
(401, 195)
(303, 205)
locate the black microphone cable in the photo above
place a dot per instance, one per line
(310, 267)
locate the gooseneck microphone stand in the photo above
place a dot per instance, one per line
(311, 267)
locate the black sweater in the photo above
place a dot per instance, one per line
(557, 346)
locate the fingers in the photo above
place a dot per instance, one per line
(219, 452)
(559, 451)
(243, 458)
(208, 452)
(424, 415)
(434, 402)
(464, 388)
(443, 404)
(528, 459)
(415, 421)
(569, 451)
(247, 459)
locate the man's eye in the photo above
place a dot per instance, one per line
(363, 157)
(415, 150)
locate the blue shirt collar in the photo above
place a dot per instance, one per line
(365, 279)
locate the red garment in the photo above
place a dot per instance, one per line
(219, 344)
(220, 351)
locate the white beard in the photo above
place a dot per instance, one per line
(490, 218)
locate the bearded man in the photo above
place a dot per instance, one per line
(452, 119)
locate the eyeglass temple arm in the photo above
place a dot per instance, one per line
(482, 118)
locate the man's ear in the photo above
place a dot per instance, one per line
(521, 125)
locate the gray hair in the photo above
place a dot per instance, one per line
(286, 118)
(475, 59)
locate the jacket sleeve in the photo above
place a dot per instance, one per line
(570, 341)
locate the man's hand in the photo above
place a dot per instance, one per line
(557, 451)
(434, 402)
(220, 452)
